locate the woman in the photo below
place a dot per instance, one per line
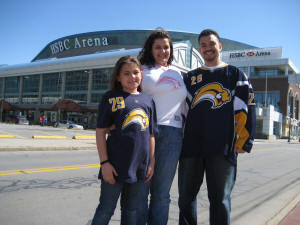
(165, 84)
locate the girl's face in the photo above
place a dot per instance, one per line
(130, 77)
(161, 51)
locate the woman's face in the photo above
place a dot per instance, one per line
(161, 51)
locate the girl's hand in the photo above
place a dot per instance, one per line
(150, 170)
(108, 172)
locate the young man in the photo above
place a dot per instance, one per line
(220, 124)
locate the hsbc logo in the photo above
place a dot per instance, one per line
(249, 54)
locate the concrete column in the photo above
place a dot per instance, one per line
(90, 82)
(40, 89)
(63, 85)
(20, 89)
(286, 72)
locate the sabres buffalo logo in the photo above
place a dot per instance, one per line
(137, 116)
(213, 92)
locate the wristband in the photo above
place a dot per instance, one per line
(103, 162)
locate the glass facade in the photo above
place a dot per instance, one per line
(273, 98)
(11, 94)
(31, 85)
(51, 90)
(245, 70)
(100, 84)
(258, 72)
(77, 86)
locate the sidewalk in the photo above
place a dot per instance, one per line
(293, 218)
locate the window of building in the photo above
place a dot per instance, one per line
(272, 98)
(77, 86)
(257, 72)
(51, 89)
(101, 79)
(290, 104)
(296, 107)
(245, 70)
(11, 93)
(31, 85)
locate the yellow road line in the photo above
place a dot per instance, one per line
(6, 136)
(48, 169)
(48, 137)
(84, 137)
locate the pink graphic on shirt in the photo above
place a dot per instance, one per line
(170, 81)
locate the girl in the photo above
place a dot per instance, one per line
(127, 156)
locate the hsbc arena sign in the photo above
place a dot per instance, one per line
(252, 54)
(74, 43)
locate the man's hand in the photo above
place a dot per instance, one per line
(238, 150)
(108, 172)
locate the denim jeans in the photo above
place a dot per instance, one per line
(220, 179)
(108, 200)
(167, 151)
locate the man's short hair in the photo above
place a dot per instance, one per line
(208, 32)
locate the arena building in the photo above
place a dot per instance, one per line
(66, 80)
(276, 84)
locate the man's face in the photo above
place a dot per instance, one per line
(210, 48)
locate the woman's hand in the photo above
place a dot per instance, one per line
(150, 170)
(108, 172)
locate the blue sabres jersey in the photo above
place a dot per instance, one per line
(221, 112)
(134, 117)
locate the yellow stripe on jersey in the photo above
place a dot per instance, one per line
(242, 132)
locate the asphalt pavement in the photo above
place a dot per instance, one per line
(85, 140)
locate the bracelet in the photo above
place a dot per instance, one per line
(103, 162)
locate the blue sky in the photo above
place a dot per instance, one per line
(27, 26)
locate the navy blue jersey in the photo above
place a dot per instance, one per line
(128, 146)
(221, 112)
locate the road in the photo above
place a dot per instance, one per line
(63, 188)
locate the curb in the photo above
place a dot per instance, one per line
(275, 220)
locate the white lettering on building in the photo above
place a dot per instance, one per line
(66, 44)
(247, 54)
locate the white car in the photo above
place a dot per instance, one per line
(68, 124)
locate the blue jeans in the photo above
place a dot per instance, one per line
(108, 200)
(167, 151)
(220, 179)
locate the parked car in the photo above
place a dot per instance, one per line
(22, 120)
(18, 120)
(68, 124)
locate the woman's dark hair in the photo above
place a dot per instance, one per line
(145, 56)
(208, 32)
(114, 83)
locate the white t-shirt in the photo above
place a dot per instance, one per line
(166, 86)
